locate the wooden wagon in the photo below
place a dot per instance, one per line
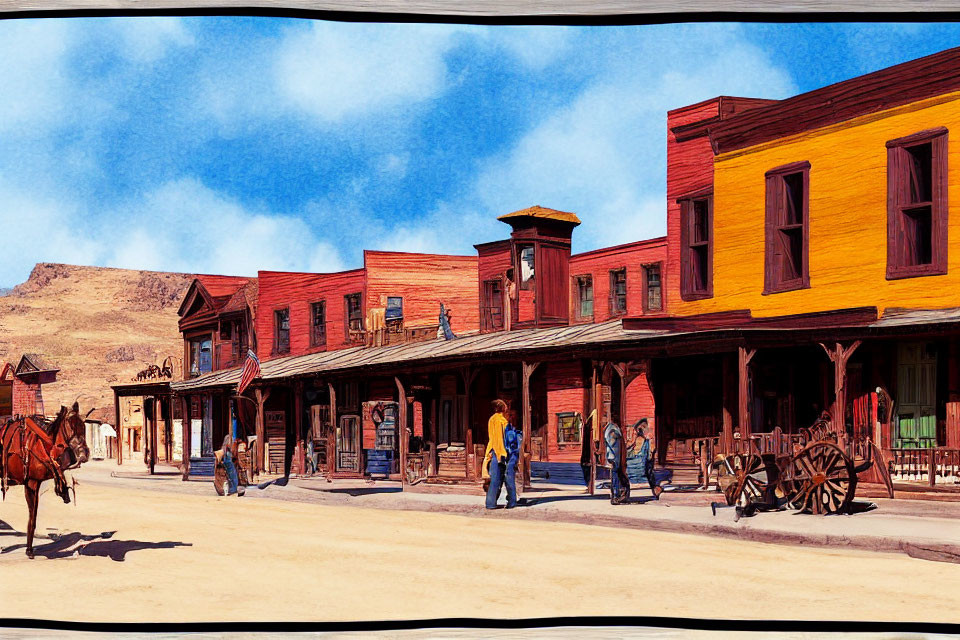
(817, 477)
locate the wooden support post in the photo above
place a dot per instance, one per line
(622, 369)
(402, 429)
(297, 427)
(527, 369)
(468, 374)
(726, 433)
(185, 428)
(745, 391)
(154, 419)
(595, 411)
(932, 466)
(332, 432)
(116, 410)
(839, 356)
(261, 397)
(168, 430)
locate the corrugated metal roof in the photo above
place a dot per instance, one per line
(517, 341)
(465, 346)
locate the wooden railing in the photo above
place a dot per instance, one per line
(935, 464)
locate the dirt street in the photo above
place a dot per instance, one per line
(126, 555)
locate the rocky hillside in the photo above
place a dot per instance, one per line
(100, 326)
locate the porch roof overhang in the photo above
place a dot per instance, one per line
(610, 337)
(142, 389)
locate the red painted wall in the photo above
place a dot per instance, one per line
(25, 396)
(689, 168)
(298, 291)
(424, 281)
(640, 404)
(599, 263)
(565, 392)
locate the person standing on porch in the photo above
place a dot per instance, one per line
(619, 483)
(509, 293)
(513, 443)
(496, 453)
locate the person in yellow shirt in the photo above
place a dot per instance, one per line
(496, 453)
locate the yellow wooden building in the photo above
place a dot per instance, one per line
(814, 250)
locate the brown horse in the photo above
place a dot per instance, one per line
(31, 453)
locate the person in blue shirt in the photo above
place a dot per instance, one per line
(513, 441)
(619, 483)
(233, 480)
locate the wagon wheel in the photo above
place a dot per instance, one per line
(220, 479)
(742, 478)
(821, 479)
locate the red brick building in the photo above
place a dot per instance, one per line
(21, 385)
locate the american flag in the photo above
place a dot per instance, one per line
(251, 370)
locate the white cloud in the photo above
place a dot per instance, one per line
(535, 47)
(33, 92)
(148, 39)
(338, 71)
(185, 226)
(603, 155)
(36, 228)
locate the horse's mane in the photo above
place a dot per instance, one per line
(52, 427)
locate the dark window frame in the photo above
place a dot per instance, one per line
(530, 283)
(392, 305)
(687, 209)
(898, 201)
(614, 297)
(776, 225)
(318, 337)
(492, 301)
(578, 281)
(346, 313)
(577, 426)
(646, 287)
(278, 346)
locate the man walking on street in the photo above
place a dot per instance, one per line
(619, 483)
(513, 443)
(496, 453)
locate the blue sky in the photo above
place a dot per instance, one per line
(227, 145)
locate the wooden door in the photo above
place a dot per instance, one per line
(348, 443)
(916, 396)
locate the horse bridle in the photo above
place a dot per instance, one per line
(74, 443)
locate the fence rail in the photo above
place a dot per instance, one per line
(935, 464)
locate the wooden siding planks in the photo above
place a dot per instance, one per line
(299, 291)
(847, 218)
(599, 263)
(565, 392)
(424, 281)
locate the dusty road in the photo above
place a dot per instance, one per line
(166, 557)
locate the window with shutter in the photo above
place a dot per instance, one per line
(491, 315)
(281, 331)
(652, 288)
(318, 324)
(618, 291)
(917, 205)
(696, 247)
(584, 305)
(786, 264)
(353, 310)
